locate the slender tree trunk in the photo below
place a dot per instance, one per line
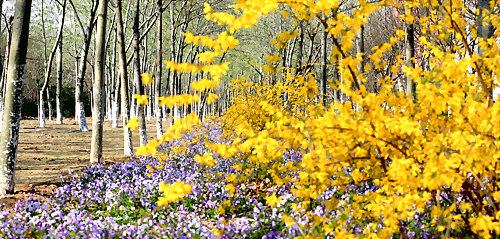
(5, 69)
(59, 119)
(115, 103)
(13, 96)
(48, 70)
(137, 76)
(324, 71)
(116, 87)
(158, 112)
(98, 89)
(6, 54)
(300, 49)
(485, 30)
(361, 49)
(82, 70)
(122, 62)
(1, 62)
(77, 88)
(410, 58)
(49, 104)
(173, 74)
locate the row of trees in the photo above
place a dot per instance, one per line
(116, 52)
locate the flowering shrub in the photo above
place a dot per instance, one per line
(389, 163)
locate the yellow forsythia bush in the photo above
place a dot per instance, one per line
(433, 156)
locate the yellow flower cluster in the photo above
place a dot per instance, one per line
(216, 71)
(212, 98)
(173, 192)
(146, 79)
(142, 99)
(273, 200)
(175, 131)
(133, 123)
(221, 44)
(206, 159)
(273, 58)
(435, 153)
(178, 100)
(148, 149)
(204, 84)
(283, 38)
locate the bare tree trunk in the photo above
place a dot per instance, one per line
(1, 62)
(81, 71)
(48, 70)
(158, 112)
(485, 30)
(13, 96)
(324, 60)
(77, 106)
(173, 74)
(59, 119)
(116, 89)
(98, 89)
(300, 49)
(5, 69)
(410, 58)
(49, 103)
(137, 76)
(122, 62)
(361, 49)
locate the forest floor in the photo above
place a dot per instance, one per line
(46, 154)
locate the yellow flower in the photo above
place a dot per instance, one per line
(146, 79)
(288, 220)
(133, 123)
(206, 159)
(141, 99)
(230, 188)
(212, 98)
(273, 58)
(273, 200)
(173, 192)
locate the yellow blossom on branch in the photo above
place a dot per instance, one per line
(212, 98)
(146, 79)
(230, 189)
(173, 192)
(206, 159)
(273, 200)
(133, 123)
(141, 99)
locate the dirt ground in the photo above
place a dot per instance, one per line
(45, 154)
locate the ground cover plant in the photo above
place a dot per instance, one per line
(121, 201)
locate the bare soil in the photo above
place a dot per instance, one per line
(46, 154)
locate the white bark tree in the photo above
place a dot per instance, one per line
(59, 119)
(137, 76)
(13, 95)
(48, 71)
(158, 111)
(122, 64)
(82, 67)
(98, 89)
